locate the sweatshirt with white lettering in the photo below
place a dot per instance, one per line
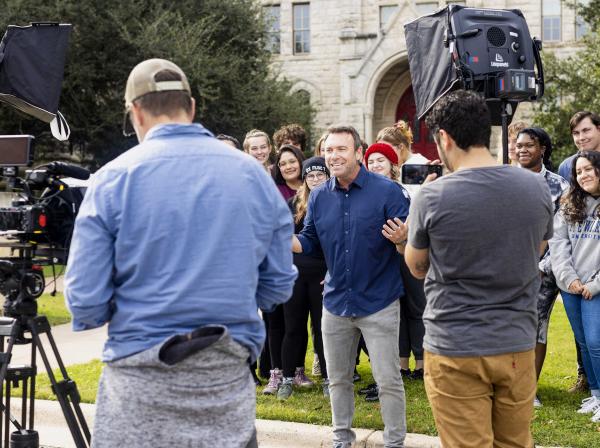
(575, 249)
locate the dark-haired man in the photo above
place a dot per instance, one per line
(475, 236)
(345, 221)
(585, 130)
(156, 256)
(290, 134)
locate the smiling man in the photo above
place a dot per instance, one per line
(585, 130)
(344, 222)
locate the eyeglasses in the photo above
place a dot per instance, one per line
(316, 176)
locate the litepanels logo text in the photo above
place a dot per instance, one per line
(499, 62)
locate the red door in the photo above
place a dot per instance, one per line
(422, 141)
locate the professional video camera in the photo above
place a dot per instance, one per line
(37, 227)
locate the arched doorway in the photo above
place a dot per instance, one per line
(422, 141)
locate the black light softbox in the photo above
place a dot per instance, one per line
(487, 50)
(32, 60)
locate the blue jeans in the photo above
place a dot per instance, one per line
(584, 316)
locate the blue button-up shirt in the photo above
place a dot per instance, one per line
(363, 266)
(180, 231)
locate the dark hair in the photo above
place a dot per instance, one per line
(229, 138)
(169, 102)
(277, 176)
(345, 130)
(578, 117)
(542, 138)
(293, 132)
(464, 116)
(573, 203)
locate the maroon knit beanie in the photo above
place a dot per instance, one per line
(382, 148)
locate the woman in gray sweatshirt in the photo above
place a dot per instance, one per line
(575, 256)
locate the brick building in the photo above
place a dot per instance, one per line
(350, 56)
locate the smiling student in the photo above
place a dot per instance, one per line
(575, 255)
(287, 170)
(533, 149)
(258, 144)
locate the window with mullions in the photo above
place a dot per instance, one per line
(385, 14)
(551, 20)
(272, 14)
(426, 7)
(581, 28)
(301, 28)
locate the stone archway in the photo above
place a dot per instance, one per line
(393, 100)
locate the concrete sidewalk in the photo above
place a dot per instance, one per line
(53, 431)
(82, 347)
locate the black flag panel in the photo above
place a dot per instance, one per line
(32, 60)
(486, 50)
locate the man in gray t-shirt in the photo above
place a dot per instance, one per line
(475, 236)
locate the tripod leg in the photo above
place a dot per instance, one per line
(66, 389)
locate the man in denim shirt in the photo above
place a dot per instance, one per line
(178, 236)
(351, 220)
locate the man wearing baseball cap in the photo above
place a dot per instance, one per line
(155, 256)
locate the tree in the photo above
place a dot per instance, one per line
(219, 44)
(572, 84)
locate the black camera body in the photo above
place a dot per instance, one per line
(37, 231)
(29, 219)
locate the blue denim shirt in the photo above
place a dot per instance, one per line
(363, 266)
(564, 169)
(179, 232)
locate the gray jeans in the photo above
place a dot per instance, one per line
(207, 399)
(340, 340)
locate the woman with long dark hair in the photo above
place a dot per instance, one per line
(575, 257)
(307, 297)
(287, 170)
(287, 174)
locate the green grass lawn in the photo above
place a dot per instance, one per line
(54, 308)
(556, 424)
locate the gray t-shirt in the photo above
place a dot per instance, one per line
(483, 228)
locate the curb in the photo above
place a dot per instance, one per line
(51, 425)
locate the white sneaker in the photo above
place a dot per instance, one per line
(589, 405)
(596, 416)
(537, 403)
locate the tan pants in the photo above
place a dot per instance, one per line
(482, 402)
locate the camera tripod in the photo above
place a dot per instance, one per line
(14, 328)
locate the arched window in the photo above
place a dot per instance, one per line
(303, 95)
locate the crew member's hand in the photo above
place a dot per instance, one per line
(575, 287)
(585, 292)
(395, 230)
(432, 176)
